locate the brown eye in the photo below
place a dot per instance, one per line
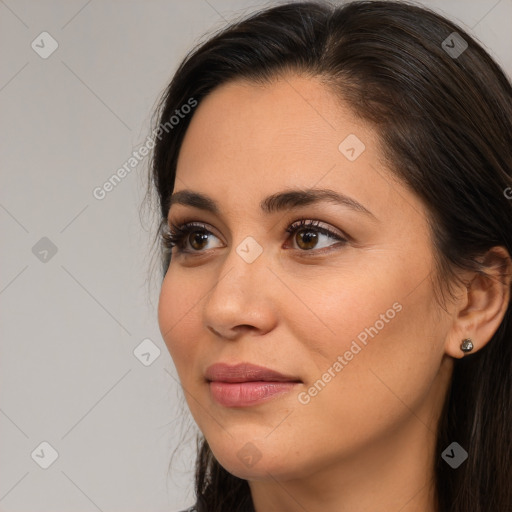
(189, 238)
(306, 239)
(198, 240)
(307, 235)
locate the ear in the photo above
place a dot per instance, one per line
(482, 304)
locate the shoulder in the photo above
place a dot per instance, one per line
(191, 509)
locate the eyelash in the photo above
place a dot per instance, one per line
(176, 235)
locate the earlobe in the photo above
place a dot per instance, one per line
(482, 305)
(466, 345)
(461, 348)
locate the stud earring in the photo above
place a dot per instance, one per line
(466, 345)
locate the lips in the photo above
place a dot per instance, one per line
(245, 384)
(245, 372)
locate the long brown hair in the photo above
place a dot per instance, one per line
(445, 122)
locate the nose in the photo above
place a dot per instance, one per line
(242, 298)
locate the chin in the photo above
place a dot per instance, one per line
(257, 458)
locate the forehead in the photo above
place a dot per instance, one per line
(246, 141)
(264, 127)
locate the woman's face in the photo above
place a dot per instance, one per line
(349, 318)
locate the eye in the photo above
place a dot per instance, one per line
(195, 234)
(194, 237)
(307, 235)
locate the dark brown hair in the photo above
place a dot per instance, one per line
(445, 125)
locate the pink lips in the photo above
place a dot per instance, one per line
(246, 384)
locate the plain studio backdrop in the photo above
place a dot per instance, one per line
(90, 407)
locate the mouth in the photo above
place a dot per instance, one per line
(245, 384)
(245, 372)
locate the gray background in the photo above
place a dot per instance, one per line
(72, 320)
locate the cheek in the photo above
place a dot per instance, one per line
(375, 333)
(384, 358)
(363, 299)
(178, 308)
(328, 314)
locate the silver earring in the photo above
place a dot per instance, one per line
(466, 345)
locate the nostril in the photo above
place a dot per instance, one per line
(214, 331)
(233, 333)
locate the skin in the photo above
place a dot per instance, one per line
(365, 442)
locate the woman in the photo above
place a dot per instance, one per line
(334, 191)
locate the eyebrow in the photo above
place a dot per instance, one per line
(288, 199)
